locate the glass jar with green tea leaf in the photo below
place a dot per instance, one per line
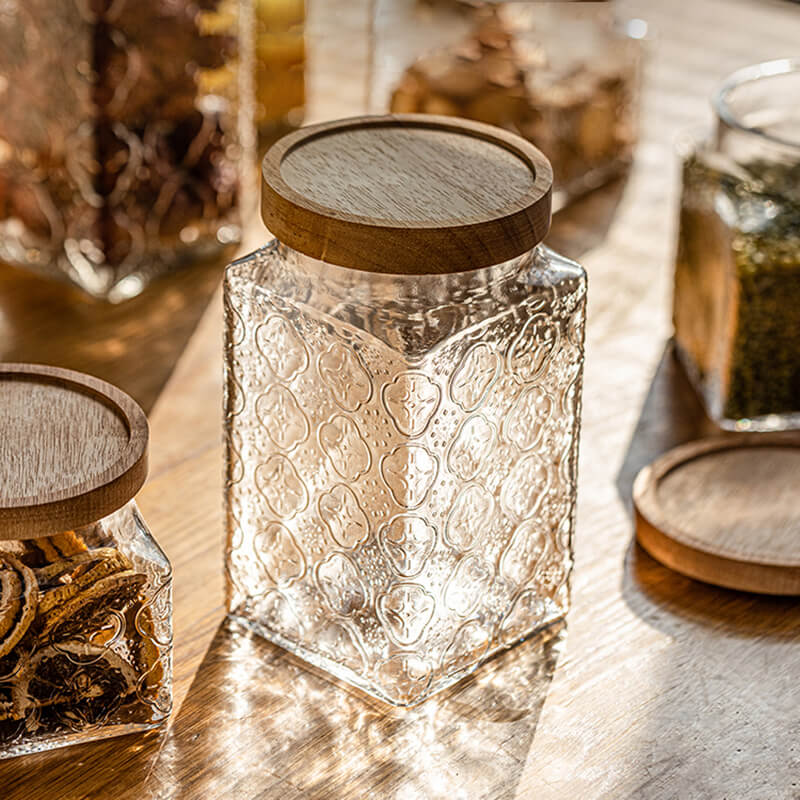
(737, 274)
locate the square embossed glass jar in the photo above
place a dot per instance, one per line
(403, 383)
(85, 591)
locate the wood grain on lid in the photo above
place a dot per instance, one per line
(427, 189)
(726, 511)
(408, 193)
(72, 450)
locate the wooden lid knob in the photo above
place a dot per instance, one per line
(726, 511)
(407, 194)
(72, 450)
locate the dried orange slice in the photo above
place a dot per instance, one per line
(66, 578)
(88, 580)
(19, 598)
(93, 680)
(80, 611)
(51, 549)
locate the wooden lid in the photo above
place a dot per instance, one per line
(72, 450)
(726, 511)
(407, 193)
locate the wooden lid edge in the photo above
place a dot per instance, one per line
(676, 548)
(378, 246)
(715, 569)
(55, 517)
(23, 518)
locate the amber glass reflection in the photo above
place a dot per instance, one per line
(279, 67)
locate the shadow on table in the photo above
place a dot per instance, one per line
(722, 721)
(134, 345)
(672, 414)
(725, 663)
(584, 223)
(104, 769)
(649, 586)
(258, 723)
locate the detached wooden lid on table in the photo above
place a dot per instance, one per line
(407, 194)
(72, 450)
(726, 511)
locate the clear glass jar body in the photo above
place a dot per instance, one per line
(565, 76)
(736, 304)
(118, 141)
(86, 644)
(401, 461)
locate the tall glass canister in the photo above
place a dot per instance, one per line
(737, 274)
(403, 387)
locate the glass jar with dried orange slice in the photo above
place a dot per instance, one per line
(85, 591)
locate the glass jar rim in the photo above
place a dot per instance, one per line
(751, 74)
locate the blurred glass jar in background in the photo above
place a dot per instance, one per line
(737, 274)
(118, 143)
(562, 75)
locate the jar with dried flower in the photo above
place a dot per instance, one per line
(118, 139)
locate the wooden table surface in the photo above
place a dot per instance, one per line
(656, 687)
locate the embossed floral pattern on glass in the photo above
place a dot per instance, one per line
(85, 635)
(401, 457)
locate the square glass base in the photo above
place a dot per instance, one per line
(404, 679)
(27, 746)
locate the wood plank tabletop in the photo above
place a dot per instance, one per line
(656, 687)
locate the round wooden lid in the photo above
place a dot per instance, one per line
(726, 511)
(72, 450)
(407, 193)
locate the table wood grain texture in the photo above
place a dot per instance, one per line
(133, 345)
(657, 687)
